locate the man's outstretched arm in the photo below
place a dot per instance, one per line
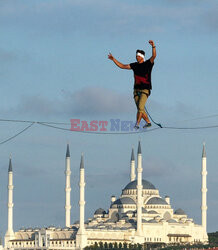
(119, 64)
(153, 51)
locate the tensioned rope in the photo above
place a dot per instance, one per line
(22, 131)
(53, 125)
(131, 132)
(98, 133)
(171, 127)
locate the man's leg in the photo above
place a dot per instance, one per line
(139, 117)
(145, 117)
(136, 98)
(143, 99)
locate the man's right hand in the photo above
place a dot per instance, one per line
(110, 57)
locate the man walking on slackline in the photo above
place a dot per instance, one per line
(142, 85)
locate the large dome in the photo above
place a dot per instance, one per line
(146, 185)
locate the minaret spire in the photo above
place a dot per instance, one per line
(204, 191)
(67, 188)
(68, 151)
(10, 165)
(10, 233)
(204, 151)
(132, 166)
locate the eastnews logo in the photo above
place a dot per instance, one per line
(113, 125)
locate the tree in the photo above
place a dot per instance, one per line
(105, 245)
(95, 245)
(110, 246)
(115, 245)
(101, 245)
(125, 245)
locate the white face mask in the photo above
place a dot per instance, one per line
(140, 54)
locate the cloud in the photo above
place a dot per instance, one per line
(210, 19)
(10, 58)
(37, 105)
(95, 100)
(87, 101)
(7, 56)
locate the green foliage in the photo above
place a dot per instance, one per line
(115, 245)
(101, 245)
(213, 238)
(124, 245)
(213, 242)
(105, 245)
(110, 246)
(195, 246)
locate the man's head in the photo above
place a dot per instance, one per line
(140, 55)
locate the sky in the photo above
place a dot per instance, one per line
(54, 68)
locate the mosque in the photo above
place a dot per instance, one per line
(139, 215)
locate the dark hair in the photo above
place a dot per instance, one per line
(140, 51)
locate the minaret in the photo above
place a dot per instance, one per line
(81, 237)
(82, 195)
(67, 188)
(204, 190)
(10, 233)
(139, 191)
(132, 167)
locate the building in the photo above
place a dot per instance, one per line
(139, 215)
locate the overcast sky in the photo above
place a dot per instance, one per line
(54, 67)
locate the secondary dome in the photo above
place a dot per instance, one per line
(124, 200)
(145, 184)
(157, 201)
(179, 211)
(100, 211)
